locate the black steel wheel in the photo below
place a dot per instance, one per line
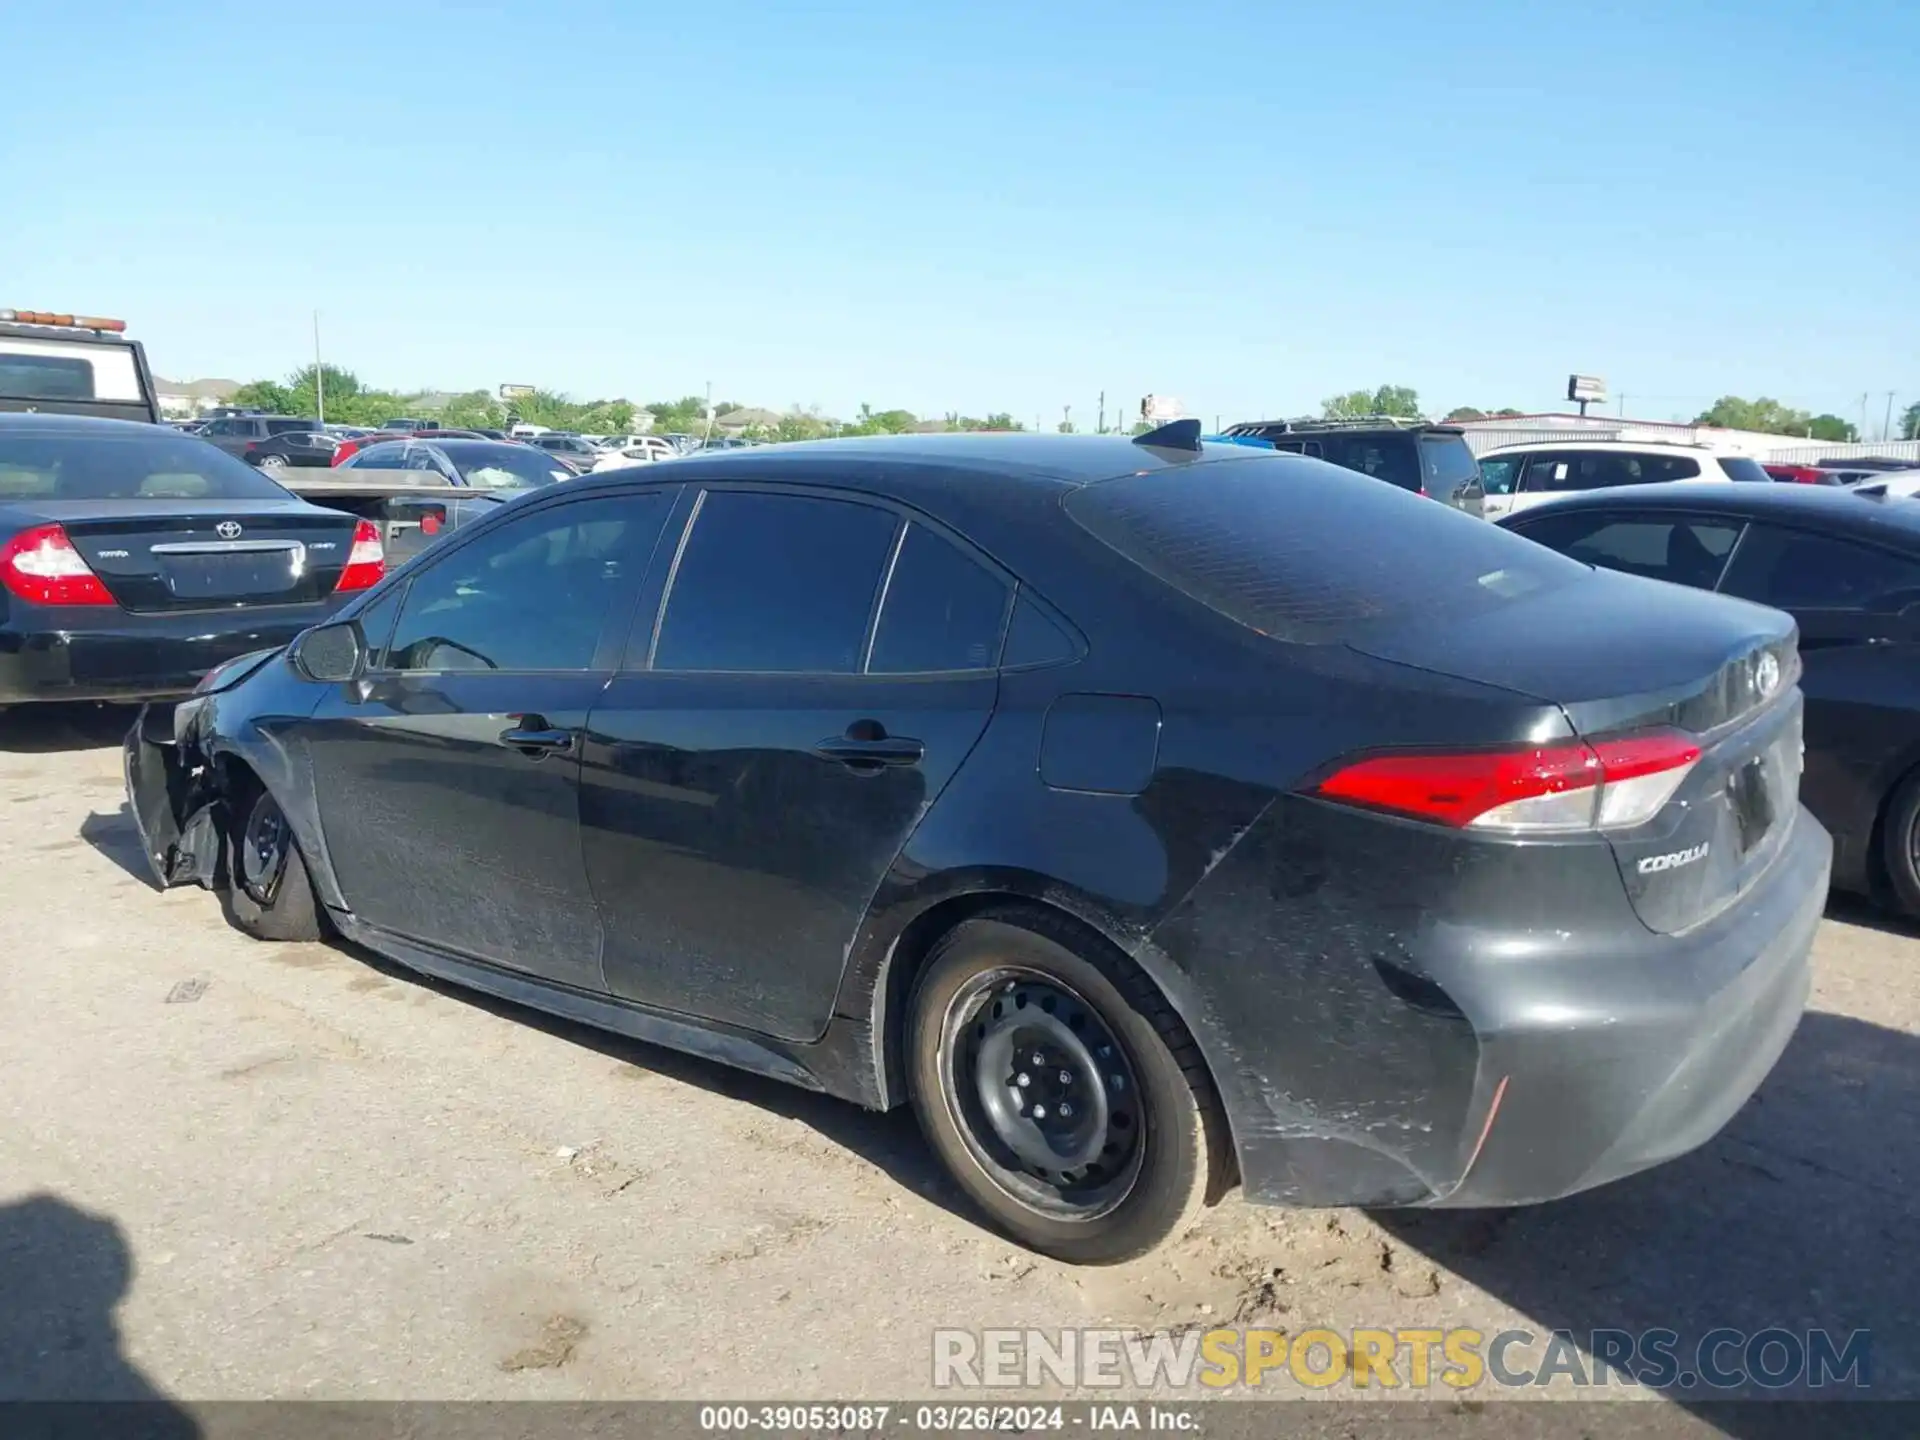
(1045, 1090)
(268, 893)
(1061, 1091)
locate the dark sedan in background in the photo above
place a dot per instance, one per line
(1846, 566)
(1148, 815)
(134, 559)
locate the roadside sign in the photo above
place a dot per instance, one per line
(1588, 389)
(514, 392)
(1158, 409)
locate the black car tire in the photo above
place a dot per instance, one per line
(1177, 1155)
(1899, 844)
(284, 909)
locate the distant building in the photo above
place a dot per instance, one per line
(746, 417)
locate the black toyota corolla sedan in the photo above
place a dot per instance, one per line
(1148, 815)
(1846, 565)
(134, 559)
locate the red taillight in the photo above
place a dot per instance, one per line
(40, 565)
(366, 562)
(1564, 787)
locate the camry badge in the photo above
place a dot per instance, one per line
(230, 530)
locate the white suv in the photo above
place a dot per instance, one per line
(1520, 476)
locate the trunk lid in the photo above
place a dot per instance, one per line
(1620, 654)
(156, 556)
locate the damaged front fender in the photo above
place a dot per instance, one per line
(172, 790)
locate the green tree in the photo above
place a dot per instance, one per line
(799, 424)
(1832, 428)
(473, 410)
(1465, 412)
(267, 395)
(1397, 400)
(1910, 422)
(1766, 416)
(1001, 420)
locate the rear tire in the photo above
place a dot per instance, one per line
(1900, 846)
(274, 465)
(268, 893)
(1061, 1092)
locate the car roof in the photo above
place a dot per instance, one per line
(35, 422)
(1823, 507)
(904, 464)
(1622, 447)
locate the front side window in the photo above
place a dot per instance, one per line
(1680, 549)
(1797, 570)
(942, 610)
(775, 583)
(533, 594)
(1497, 474)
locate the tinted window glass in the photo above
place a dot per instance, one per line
(1447, 463)
(1385, 457)
(533, 594)
(1603, 469)
(1308, 554)
(287, 427)
(45, 377)
(376, 624)
(775, 583)
(942, 610)
(1681, 549)
(150, 463)
(1798, 571)
(489, 466)
(1034, 639)
(1739, 467)
(388, 456)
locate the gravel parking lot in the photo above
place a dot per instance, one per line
(234, 1170)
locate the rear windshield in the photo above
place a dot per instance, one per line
(1309, 554)
(68, 370)
(163, 465)
(498, 466)
(1739, 467)
(1448, 463)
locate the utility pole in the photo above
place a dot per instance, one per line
(1103, 411)
(319, 374)
(1863, 417)
(1066, 419)
(707, 438)
(1886, 426)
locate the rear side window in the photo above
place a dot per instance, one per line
(1680, 549)
(45, 377)
(1796, 570)
(288, 427)
(1602, 470)
(1309, 555)
(1385, 457)
(942, 610)
(775, 583)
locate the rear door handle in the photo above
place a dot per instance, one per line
(534, 738)
(866, 754)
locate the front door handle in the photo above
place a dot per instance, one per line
(860, 753)
(535, 738)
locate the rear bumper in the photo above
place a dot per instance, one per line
(125, 657)
(1606, 1074)
(1500, 1031)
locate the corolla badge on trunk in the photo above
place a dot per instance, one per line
(230, 530)
(1673, 860)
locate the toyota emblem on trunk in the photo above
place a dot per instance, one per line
(1766, 674)
(230, 530)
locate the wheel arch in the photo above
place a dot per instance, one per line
(880, 991)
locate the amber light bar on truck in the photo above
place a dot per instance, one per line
(62, 322)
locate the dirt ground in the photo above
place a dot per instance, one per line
(234, 1170)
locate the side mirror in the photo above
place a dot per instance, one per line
(331, 654)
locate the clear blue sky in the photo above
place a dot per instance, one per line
(989, 205)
